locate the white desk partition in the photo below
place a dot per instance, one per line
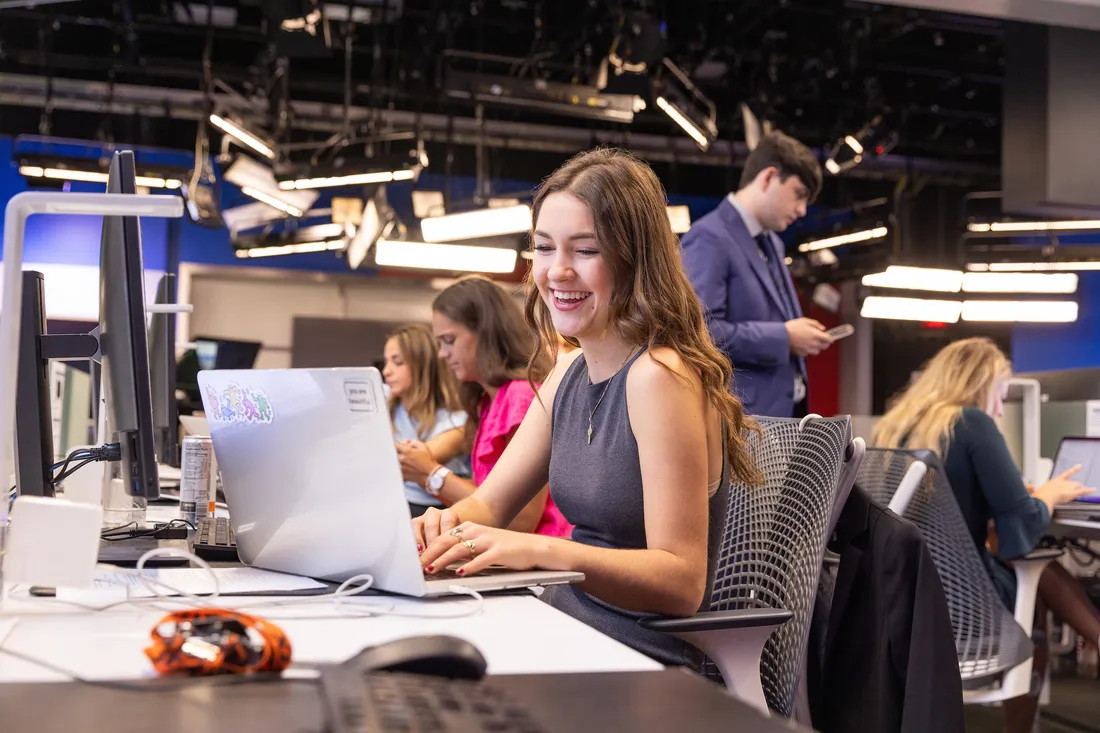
(20, 207)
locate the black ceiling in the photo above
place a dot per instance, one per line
(819, 69)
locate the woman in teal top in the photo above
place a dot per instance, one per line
(950, 409)
(422, 406)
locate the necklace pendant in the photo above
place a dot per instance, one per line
(590, 433)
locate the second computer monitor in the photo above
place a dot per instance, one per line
(123, 345)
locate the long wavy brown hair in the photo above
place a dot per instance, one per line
(652, 301)
(963, 374)
(433, 385)
(506, 348)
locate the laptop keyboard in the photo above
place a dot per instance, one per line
(451, 574)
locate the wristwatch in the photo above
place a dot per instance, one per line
(434, 484)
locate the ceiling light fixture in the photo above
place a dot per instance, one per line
(351, 179)
(257, 181)
(911, 309)
(242, 136)
(66, 174)
(866, 235)
(1020, 311)
(1034, 226)
(476, 224)
(452, 257)
(291, 249)
(1081, 266)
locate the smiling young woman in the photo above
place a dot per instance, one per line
(635, 431)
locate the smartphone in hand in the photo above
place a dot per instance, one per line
(842, 331)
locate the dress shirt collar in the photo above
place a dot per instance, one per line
(751, 222)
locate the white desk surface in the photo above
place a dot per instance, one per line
(517, 635)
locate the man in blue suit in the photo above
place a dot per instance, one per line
(737, 266)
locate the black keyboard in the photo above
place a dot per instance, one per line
(374, 702)
(214, 539)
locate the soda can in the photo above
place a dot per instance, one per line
(198, 472)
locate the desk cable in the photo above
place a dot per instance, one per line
(353, 586)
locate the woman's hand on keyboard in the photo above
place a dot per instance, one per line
(479, 547)
(432, 524)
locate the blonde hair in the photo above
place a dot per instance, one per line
(652, 301)
(962, 374)
(432, 386)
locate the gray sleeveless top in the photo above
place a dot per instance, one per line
(598, 488)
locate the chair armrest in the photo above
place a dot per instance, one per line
(734, 640)
(1047, 553)
(741, 618)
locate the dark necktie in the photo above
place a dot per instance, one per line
(775, 269)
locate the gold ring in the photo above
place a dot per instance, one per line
(456, 532)
(471, 547)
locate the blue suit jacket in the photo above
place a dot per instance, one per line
(744, 309)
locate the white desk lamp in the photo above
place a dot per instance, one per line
(19, 208)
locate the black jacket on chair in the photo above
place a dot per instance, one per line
(884, 659)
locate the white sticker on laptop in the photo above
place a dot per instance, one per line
(360, 396)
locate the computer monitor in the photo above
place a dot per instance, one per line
(34, 445)
(218, 353)
(162, 366)
(124, 349)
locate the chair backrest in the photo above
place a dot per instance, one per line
(775, 540)
(988, 640)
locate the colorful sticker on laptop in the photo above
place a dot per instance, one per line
(360, 396)
(236, 404)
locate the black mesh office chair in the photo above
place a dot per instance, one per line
(756, 629)
(993, 645)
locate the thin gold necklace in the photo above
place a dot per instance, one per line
(608, 384)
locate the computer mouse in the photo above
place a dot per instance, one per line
(437, 655)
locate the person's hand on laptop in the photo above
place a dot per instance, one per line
(417, 461)
(476, 546)
(1062, 489)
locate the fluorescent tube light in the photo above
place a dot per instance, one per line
(454, 257)
(832, 166)
(253, 178)
(352, 179)
(1019, 282)
(1033, 266)
(1020, 311)
(475, 224)
(855, 237)
(291, 249)
(680, 218)
(854, 144)
(1034, 226)
(65, 174)
(272, 201)
(911, 309)
(682, 120)
(242, 136)
(916, 278)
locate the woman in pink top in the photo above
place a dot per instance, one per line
(483, 338)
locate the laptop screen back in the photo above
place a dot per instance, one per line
(1083, 451)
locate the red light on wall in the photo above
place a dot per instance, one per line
(933, 324)
(879, 149)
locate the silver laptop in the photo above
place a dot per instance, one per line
(1083, 451)
(313, 484)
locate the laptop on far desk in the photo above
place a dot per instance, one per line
(313, 484)
(1086, 452)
